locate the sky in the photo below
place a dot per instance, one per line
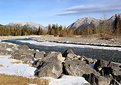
(62, 12)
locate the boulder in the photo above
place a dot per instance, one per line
(96, 80)
(90, 60)
(107, 72)
(6, 48)
(100, 64)
(68, 51)
(71, 56)
(116, 80)
(77, 68)
(39, 55)
(23, 47)
(116, 68)
(57, 55)
(25, 56)
(51, 67)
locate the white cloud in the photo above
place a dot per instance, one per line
(90, 9)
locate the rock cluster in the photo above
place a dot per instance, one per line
(56, 64)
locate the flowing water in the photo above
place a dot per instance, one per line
(110, 55)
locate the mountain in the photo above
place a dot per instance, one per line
(27, 24)
(83, 23)
(87, 22)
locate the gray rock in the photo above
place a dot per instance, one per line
(116, 80)
(39, 55)
(100, 64)
(77, 68)
(71, 56)
(23, 47)
(68, 51)
(6, 49)
(51, 67)
(96, 80)
(23, 55)
(116, 68)
(57, 55)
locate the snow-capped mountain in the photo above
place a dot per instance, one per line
(87, 21)
(27, 24)
(84, 22)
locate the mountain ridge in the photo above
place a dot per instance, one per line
(27, 24)
(87, 21)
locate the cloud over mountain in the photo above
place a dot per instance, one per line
(83, 9)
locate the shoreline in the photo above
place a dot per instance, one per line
(77, 40)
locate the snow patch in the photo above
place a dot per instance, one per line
(9, 49)
(20, 69)
(25, 70)
(68, 80)
(32, 84)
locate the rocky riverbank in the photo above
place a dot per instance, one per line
(56, 64)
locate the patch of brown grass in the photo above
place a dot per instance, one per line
(1, 65)
(17, 80)
(16, 62)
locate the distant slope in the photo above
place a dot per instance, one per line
(83, 23)
(27, 24)
(87, 21)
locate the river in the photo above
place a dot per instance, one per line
(98, 52)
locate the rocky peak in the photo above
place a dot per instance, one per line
(84, 22)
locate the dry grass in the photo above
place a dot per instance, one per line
(17, 80)
(16, 62)
(1, 65)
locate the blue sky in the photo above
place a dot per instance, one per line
(56, 11)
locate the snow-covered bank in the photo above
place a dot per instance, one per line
(16, 67)
(46, 43)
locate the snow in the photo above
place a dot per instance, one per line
(19, 69)
(46, 43)
(9, 49)
(32, 84)
(68, 80)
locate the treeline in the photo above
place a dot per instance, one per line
(104, 27)
(19, 31)
(54, 29)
